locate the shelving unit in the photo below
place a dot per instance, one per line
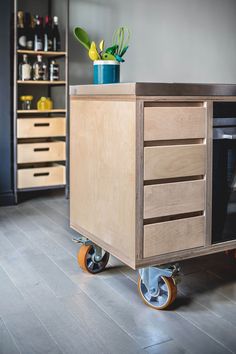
(41, 137)
(45, 54)
(32, 82)
(36, 111)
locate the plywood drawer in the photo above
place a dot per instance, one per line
(172, 236)
(174, 198)
(171, 123)
(174, 161)
(41, 127)
(41, 177)
(41, 152)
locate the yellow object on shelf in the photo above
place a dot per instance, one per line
(44, 104)
(26, 102)
(93, 53)
(26, 98)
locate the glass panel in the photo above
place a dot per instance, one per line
(224, 190)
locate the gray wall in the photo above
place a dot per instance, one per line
(6, 181)
(172, 40)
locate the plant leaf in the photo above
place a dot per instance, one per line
(124, 50)
(101, 45)
(82, 36)
(108, 56)
(119, 59)
(112, 50)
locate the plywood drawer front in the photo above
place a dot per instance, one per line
(173, 198)
(41, 127)
(41, 177)
(172, 236)
(41, 152)
(174, 161)
(171, 123)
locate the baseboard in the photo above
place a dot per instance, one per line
(7, 199)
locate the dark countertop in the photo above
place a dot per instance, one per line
(155, 89)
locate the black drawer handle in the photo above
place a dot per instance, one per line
(41, 174)
(41, 149)
(41, 124)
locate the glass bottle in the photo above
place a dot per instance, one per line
(25, 69)
(48, 36)
(40, 69)
(29, 30)
(53, 71)
(56, 42)
(21, 35)
(38, 33)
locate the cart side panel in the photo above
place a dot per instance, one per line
(102, 173)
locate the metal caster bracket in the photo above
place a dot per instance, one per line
(81, 239)
(99, 252)
(150, 276)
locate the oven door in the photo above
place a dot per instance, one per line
(224, 184)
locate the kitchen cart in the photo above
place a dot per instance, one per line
(141, 177)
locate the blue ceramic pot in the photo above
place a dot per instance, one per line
(106, 72)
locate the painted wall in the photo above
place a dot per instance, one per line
(6, 172)
(172, 40)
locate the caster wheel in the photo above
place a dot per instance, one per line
(165, 297)
(87, 260)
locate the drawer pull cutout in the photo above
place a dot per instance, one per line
(41, 149)
(41, 124)
(41, 174)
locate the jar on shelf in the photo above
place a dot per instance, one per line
(45, 104)
(26, 102)
(25, 69)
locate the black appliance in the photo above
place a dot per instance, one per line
(224, 180)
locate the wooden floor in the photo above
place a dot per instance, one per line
(48, 305)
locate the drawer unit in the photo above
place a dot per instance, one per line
(172, 123)
(41, 152)
(174, 198)
(172, 236)
(41, 176)
(149, 172)
(162, 162)
(41, 127)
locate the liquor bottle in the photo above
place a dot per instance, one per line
(56, 43)
(53, 71)
(29, 31)
(40, 69)
(38, 33)
(25, 69)
(21, 35)
(48, 37)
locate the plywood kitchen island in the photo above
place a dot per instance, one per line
(141, 176)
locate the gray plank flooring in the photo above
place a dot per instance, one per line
(48, 305)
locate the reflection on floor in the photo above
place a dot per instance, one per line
(48, 305)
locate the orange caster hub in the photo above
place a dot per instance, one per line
(165, 296)
(88, 262)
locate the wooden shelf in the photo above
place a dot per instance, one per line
(33, 111)
(56, 90)
(46, 54)
(32, 82)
